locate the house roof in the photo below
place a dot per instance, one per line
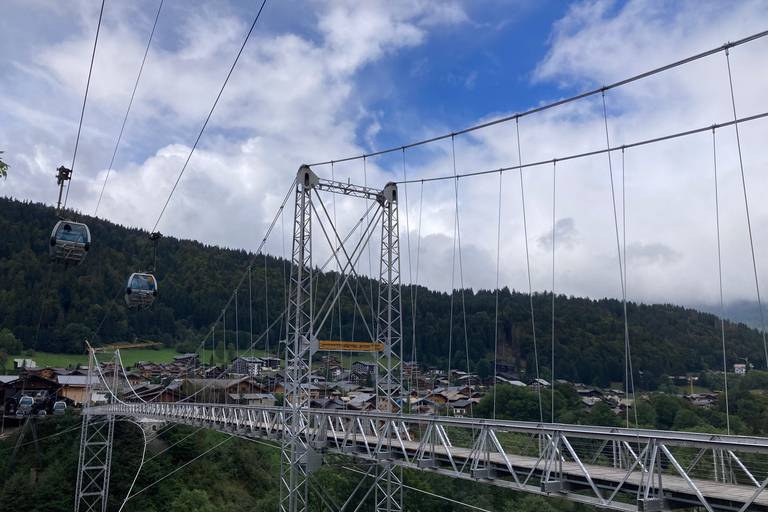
(76, 380)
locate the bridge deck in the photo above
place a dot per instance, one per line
(601, 485)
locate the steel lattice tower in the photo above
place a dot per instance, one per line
(95, 460)
(389, 362)
(299, 457)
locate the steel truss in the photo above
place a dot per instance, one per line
(612, 468)
(95, 459)
(302, 438)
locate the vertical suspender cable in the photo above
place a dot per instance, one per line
(85, 100)
(461, 272)
(746, 204)
(237, 329)
(453, 273)
(266, 306)
(416, 283)
(618, 249)
(528, 265)
(410, 271)
(496, 321)
(554, 224)
(720, 279)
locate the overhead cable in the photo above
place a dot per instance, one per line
(577, 156)
(128, 111)
(548, 106)
(85, 100)
(218, 97)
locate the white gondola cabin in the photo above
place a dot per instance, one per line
(70, 242)
(26, 403)
(140, 290)
(59, 408)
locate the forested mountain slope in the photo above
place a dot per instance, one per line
(195, 282)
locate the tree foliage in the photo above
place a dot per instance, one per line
(196, 280)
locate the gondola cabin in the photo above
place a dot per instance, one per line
(140, 290)
(70, 242)
(26, 403)
(59, 408)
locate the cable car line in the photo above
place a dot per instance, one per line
(130, 103)
(125, 288)
(85, 98)
(216, 102)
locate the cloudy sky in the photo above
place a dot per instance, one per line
(324, 80)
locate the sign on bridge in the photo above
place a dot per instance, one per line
(352, 346)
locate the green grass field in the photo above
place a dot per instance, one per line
(129, 356)
(132, 356)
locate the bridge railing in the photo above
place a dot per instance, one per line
(616, 468)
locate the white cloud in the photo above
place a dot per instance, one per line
(295, 98)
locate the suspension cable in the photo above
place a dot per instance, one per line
(577, 156)
(453, 276)
(213, 107)
(496, 320)
(618, 248)
(548, 106)
(461, 278)
(746, 204)
(410, 274)
(128, 111)
(720, 280)
(85, 99)
(141, 464)
(554, 231)
(528, 265)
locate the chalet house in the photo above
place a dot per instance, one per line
(23, 363)
(271, 363)
(264, 399)
(421, 383)
(470, 380)
(331, 404)
(244, 365)
(330, 361)
(149, 369)
(538, 384)
(593, 393)
(73, 387)
(352, 376)
(214, 372)
(14, 386)
(47, 372)
(219, 389)
(190, 359)
(364, 367)
(411, 370)
(461, 408)
(327, 390)
(504, 366)
(362, 402)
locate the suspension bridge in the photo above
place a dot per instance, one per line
(624, 469)
(627, 469)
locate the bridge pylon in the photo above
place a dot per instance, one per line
(302, 433)
(95, 458)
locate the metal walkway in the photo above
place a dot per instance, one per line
(612, 468)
